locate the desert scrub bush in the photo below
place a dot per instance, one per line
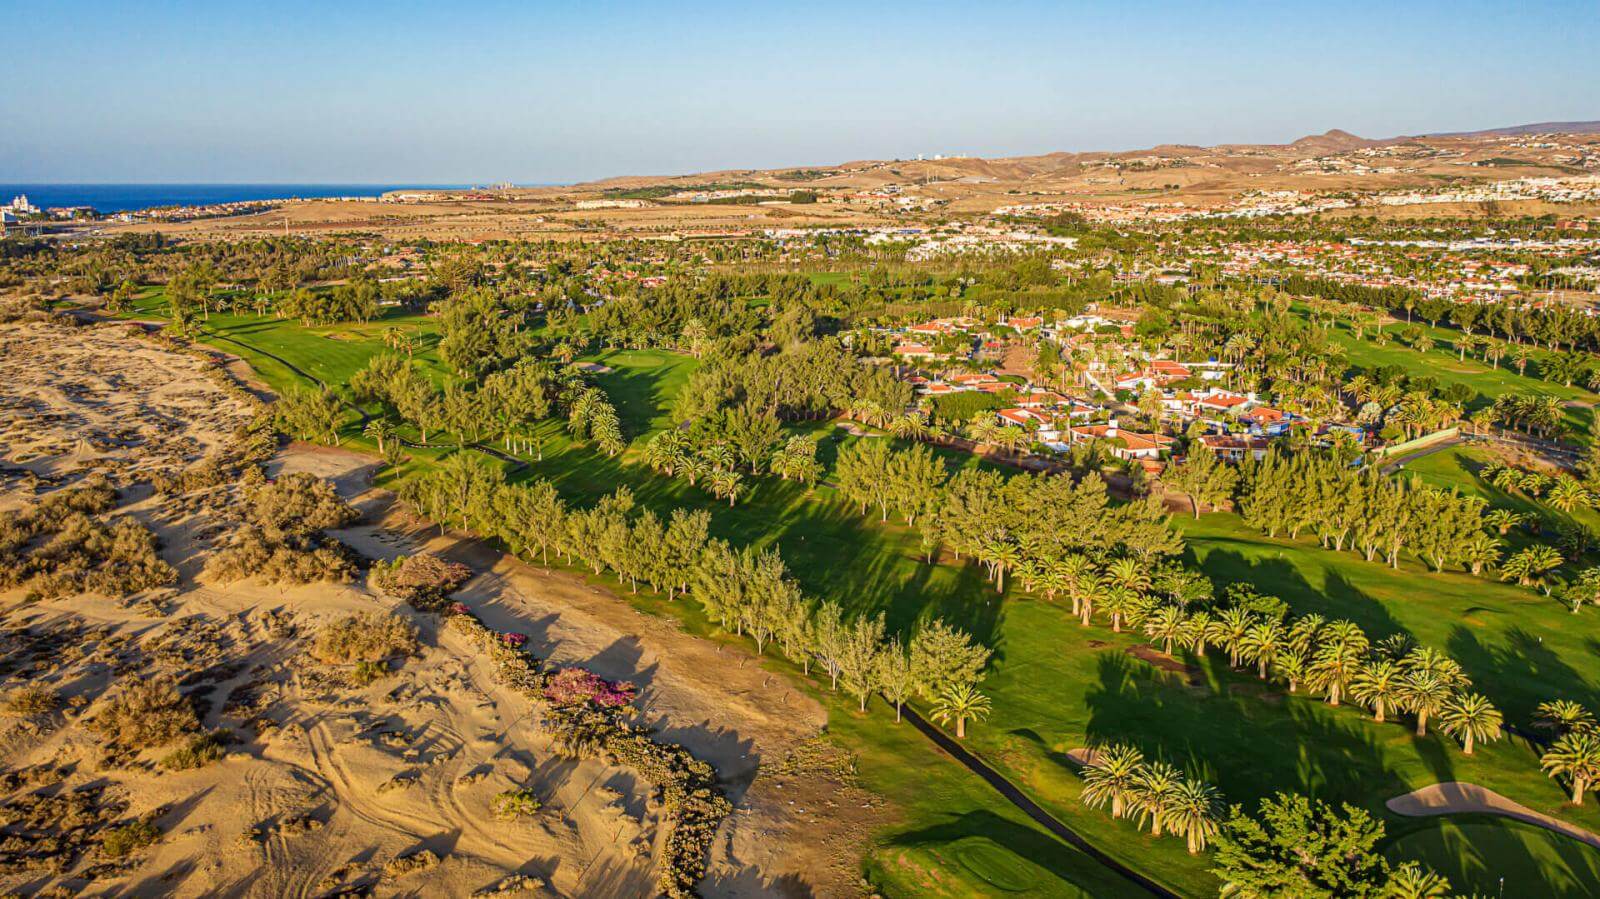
(281, 540)
(423, 581)
(299, 559)
(367, 672)
(29, 700)
(513, 804)
(145, 714)
(298, 503)
(366, 637)
(199, 752)
(75, 551)
(122, 841)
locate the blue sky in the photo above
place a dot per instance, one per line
(351, 91)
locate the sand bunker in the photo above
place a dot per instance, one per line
(1455, 797)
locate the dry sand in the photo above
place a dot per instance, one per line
(1456, 798)
(97, 398)
(329, 783)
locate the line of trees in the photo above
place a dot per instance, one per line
(1364, 511)
(1157, 792)
(747, 591)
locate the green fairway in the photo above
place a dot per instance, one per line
(1056, 686)
(1459, 468)
(1444, 365)
(1493, 856)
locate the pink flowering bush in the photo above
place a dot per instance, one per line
(460, 608)
(575, 686)
(513, 639)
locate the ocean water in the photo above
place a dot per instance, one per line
(123, 197)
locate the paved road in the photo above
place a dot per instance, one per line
(1032, 809)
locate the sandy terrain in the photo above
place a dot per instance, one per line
(852, 193)
(334, 788)
(95, 398)
(1456, 798)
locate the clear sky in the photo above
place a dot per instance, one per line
(453, 92)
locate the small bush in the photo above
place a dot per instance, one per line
(513, 804)
(577, 686)
(200, 751)
(423, 581)
(29, 700)
(146, 713)
(119, 842)
(366, 637)
(367, 672)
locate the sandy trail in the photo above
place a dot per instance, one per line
(1457, 797)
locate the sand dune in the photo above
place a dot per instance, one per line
(331, 786)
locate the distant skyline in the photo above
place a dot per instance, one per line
(401, 92)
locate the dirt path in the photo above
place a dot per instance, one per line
(1456, 797)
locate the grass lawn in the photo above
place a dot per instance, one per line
(1459, 468)
(1492, 856)
(1487, 381)
(1056, 686)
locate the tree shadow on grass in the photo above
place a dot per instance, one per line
(1337, 597)
(1248, 746)
(1029, 844)
(636, 394)
(1519, 673)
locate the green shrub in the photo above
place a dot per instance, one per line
(199, 752)
(119, 842)
(513, 804)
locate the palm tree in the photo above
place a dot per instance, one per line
(1563, 716)
(726, 483)
(1480, 550)
(1078, 574)
(1227, 631)
(910, 426)
(1376, 686)
(1119, 602)
(1568, 494)
(1530, 566)
(1110, 775)
(1432, 661)
(1577, 757)
(380, 430)
(1151, 789)
(1304, 631)
(1262, 643)
(960, 703)
(1338, 659)
(1422, 694)
(1127, 572)
(1469, 717)
(1165, 626)
(1292, 665)
(1195, 629)
(1193, 810)
(1412, 881)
